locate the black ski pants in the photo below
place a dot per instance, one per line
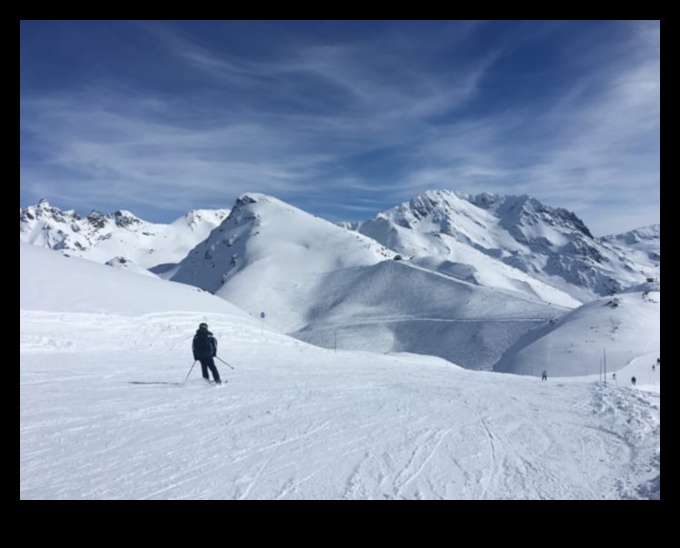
(209, 363)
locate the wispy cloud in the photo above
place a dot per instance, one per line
(158, 149)
(376, 116)
(595, 144)
(117, 152)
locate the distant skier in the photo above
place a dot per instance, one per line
(658, 361)
(613, 376)
(544, 376)
(633, 380)
(204, 348)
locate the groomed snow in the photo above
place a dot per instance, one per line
(105, 414)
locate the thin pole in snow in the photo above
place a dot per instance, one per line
(189, 373)
(225, 363)
(601, 368)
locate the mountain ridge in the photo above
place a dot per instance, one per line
(120, 235)
(406, 281)
(550, 244)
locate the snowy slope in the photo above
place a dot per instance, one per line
(44, 273)
(608, 332)
(642, 245)
(270, 256)
(397, 307)
(509, 242)
(101, 238)
(339, 289)
(105, 414)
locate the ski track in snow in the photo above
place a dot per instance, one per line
(297, 422)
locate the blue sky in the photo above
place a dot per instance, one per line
(341, 118)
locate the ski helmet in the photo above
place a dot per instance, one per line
(203, 325)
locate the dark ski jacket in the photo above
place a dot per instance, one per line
(202, 350)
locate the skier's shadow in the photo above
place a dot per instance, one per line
(156, 382)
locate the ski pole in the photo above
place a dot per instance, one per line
(190, 370)
(223, 361)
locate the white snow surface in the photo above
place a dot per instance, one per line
(607, 333)
(339, 289)
(269, 256)
(515, 243)
(103, 238)
(105, 412)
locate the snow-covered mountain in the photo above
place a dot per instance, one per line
(340, 289)
(120, 237)
(642, 246)
(112, 409)
(414, 279)
(271, 257)
(607, 332)
(472, 236)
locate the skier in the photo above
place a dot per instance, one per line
(633, 380)
(544, 376)
(204, 348)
